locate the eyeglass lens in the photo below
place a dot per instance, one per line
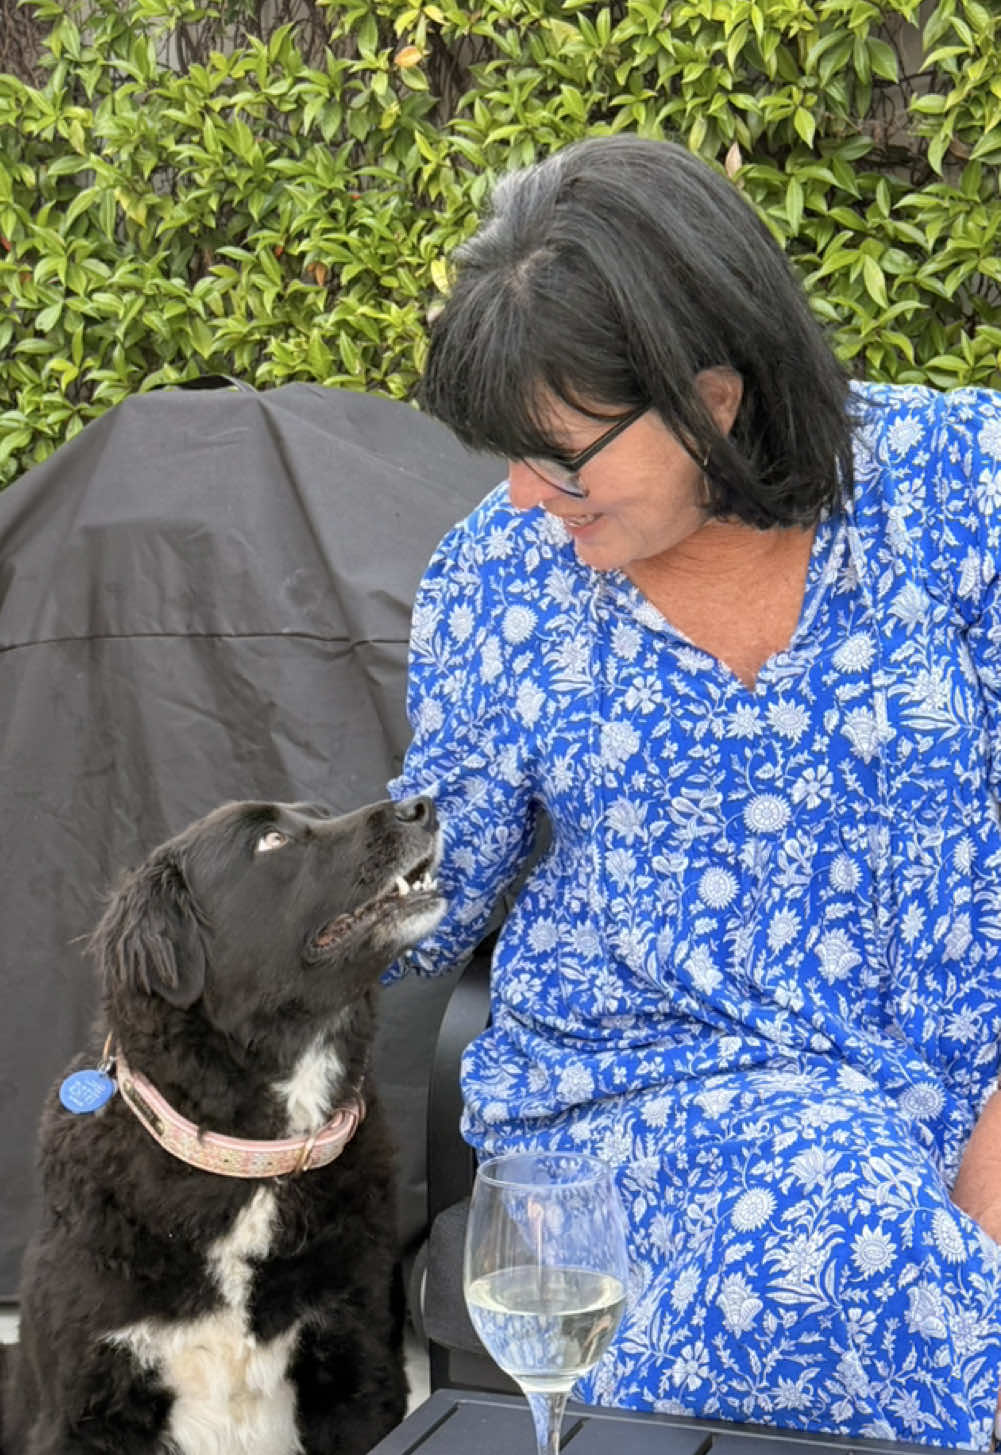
(567, 477)
(557, 475)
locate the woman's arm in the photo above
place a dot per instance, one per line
(469, 751)
(978, 1185)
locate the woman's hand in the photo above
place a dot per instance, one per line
(977, 1190)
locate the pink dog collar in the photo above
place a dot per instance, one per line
(232, 1156)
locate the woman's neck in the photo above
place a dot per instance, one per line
(734, 591)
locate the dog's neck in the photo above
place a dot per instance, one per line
(260, 1090)
(318, 1082)
(234, 1156)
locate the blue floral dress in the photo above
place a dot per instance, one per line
(758, 968)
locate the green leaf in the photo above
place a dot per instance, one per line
(804, 125)
(349, 354)
(971, 179)
(79, 205)
(875, 283)
(882, 59)
(49, 317)
(835, 58)
(896, 261)
(368, 36)
(937, 148)
(268, 263)
(853, 148)
(573, 103)
(794, 204)
(319, 357)
(108, 213)
(982, 19)
(201, 337)
(988, 144)
(860, 59)
(18, 439)
(34, 346)
(899, 341)
(697, 135)
(65, 166)
(735, 44)
(439, 275)
(414, 79)
(133, 207)
(931, 104)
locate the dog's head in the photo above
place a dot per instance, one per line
(264, 910)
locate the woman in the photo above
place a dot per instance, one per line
(734, 628)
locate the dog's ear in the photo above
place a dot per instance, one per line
(151, 934)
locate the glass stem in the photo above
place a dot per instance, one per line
(547, 1413)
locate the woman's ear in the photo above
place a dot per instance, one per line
(721, 390)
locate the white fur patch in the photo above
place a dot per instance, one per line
(231, 1394)
(311, 1092)
(249, 1237)
(419, 925)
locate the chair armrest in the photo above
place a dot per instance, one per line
(450, 1162)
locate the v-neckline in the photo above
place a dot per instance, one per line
(826, 551)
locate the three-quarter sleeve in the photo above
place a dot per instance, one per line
(469, 751)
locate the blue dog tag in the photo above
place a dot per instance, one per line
(86, 1091)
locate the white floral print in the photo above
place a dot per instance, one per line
(753, 1209)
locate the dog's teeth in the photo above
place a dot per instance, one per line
(424, 885)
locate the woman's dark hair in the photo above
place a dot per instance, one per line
(610, 274)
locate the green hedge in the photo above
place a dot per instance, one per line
(285, 210)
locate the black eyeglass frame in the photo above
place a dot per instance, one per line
(573, 486)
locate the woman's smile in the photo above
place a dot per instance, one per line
(575, 522)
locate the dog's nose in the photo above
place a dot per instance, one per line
(417, 810)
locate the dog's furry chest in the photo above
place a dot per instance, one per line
(231, 1393)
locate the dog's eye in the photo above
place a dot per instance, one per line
(273, 839)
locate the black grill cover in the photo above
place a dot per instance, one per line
(205, 595)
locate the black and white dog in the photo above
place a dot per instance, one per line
(214, 1270)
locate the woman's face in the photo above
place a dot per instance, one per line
(645, 492)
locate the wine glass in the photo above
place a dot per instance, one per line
(545, 1273)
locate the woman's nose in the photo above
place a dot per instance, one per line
(525, 488)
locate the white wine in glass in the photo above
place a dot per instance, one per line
(545, 1273)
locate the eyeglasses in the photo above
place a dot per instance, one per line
(562, 474)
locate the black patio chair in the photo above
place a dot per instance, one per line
(456, 1357)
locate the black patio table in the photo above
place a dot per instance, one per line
(464, 1422)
